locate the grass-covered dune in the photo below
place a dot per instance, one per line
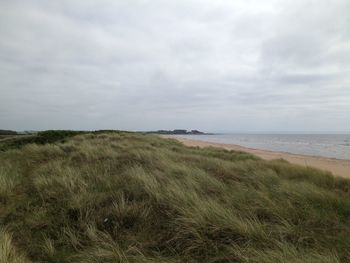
(124, 197)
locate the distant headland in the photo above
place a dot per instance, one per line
(180, 132)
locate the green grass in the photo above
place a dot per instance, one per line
(129, 197)
(44, 137)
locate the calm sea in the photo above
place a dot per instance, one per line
(327, 145)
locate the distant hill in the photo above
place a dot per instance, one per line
(8, 132)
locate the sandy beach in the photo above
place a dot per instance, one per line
(336, 166)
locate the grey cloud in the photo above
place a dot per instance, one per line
(213, 65)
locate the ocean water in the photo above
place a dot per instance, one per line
(327, 145)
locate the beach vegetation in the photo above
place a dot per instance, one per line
(129, 197)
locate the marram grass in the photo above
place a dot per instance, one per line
(124, 197)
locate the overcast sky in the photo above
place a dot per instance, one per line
(223, 65)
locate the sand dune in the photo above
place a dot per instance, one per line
(336, 166)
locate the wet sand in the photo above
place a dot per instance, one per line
(336, 166)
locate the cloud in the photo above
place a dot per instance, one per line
(223, 65)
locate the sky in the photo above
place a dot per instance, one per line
(223, 65)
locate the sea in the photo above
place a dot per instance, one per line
(326, 145)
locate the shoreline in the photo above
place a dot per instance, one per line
(337, 166)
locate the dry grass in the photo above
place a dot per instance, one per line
(8, 253)
(122, 197)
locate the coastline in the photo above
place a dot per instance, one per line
(336, 166)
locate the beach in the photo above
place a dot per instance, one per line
(336, 166)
